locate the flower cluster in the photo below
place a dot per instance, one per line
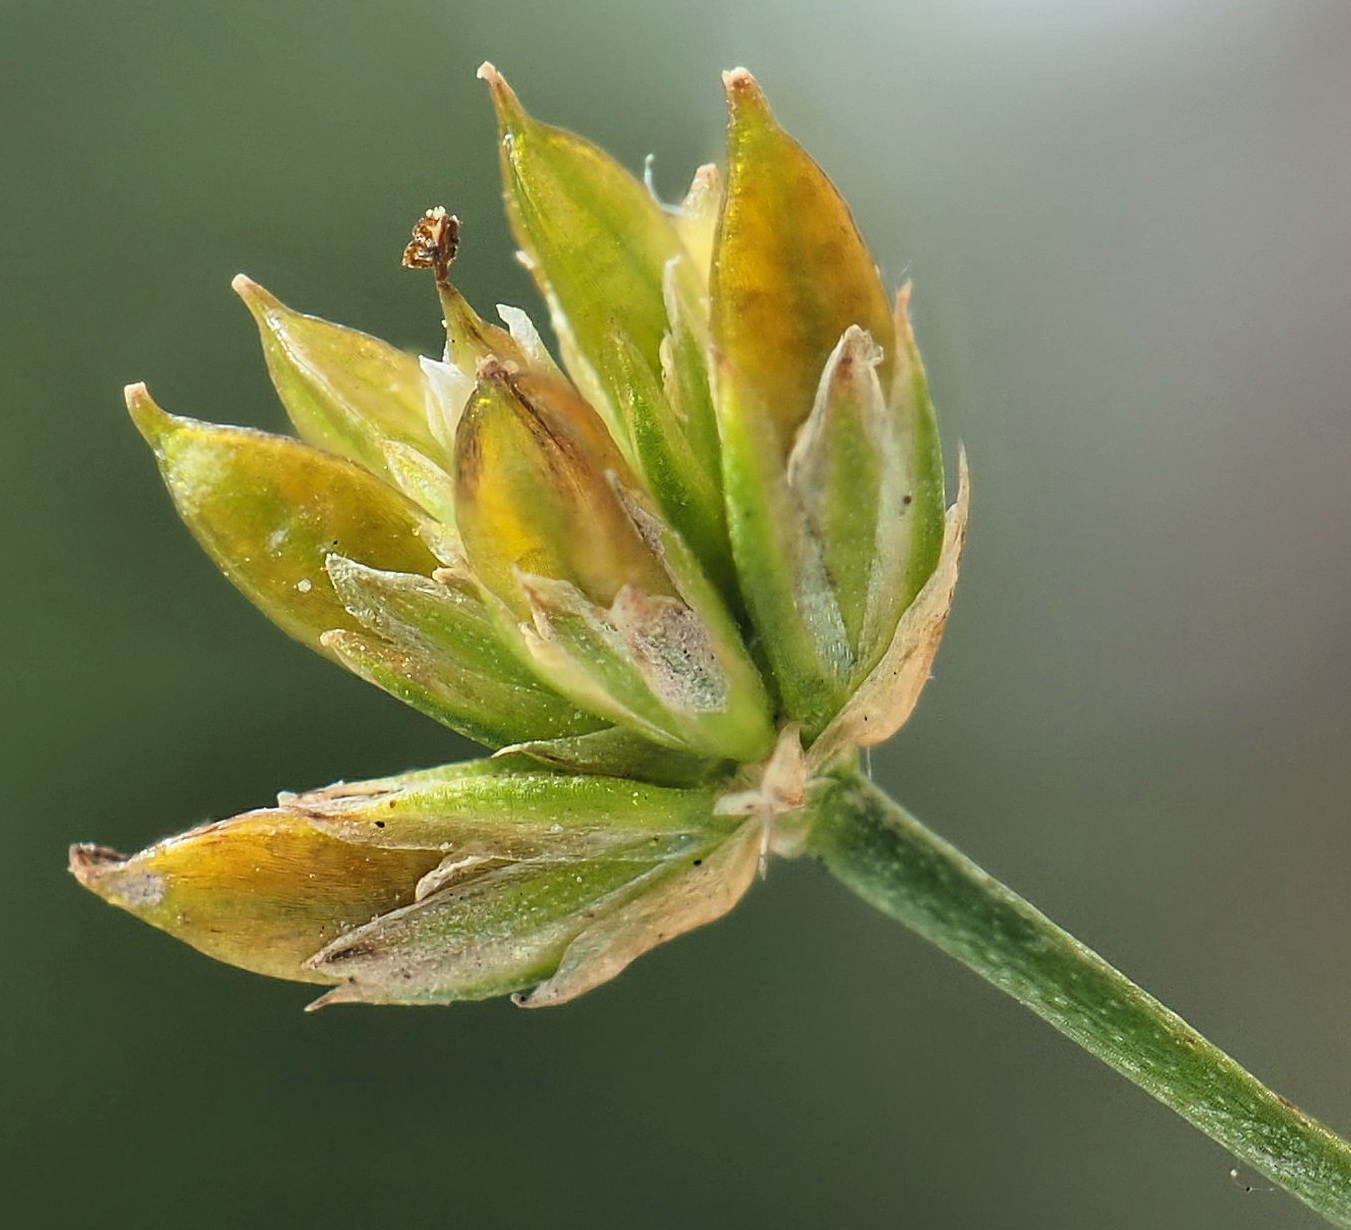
(666, 581)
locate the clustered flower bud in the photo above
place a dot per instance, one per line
(666, 581)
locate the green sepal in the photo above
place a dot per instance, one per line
(495, 809)
(685, 487)
(438, 690)
(547, 932)
(496, 932)
(691, 893)
(617, 752)
(589, 652)
(801, 633)
(651, 663)
(745, 728)
(530, 861)
(685, 377)
(883, 700)
(835, 473)
(597, 241)
(345, 391)
(268, 511)
(912, 410)
(454, 648)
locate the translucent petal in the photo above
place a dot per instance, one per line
(835, 472)
(887, 697)
(421, 480)
(696, 218)
(702, 891)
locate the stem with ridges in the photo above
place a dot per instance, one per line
(897, 865)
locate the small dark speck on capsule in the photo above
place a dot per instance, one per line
(379, 824)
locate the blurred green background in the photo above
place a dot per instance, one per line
(1127, 223)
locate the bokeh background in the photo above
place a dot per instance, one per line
(1127, 223)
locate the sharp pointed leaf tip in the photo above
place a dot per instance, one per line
(247, 289)
(153, 423)
(258, 299)
(344, 993)
(510, 113)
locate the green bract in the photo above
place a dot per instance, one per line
(667, 581)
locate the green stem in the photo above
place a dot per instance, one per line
(894, 863)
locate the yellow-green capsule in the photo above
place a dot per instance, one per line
(264, 891)
(534, 494)
(790, 271)
(345, 391)
(596, 239)
(269, 511)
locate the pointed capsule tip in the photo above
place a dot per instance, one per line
(741, 87)
(905, 330)
(338, 995)
(119, 880)
(510, 113)
(152, 422)
(90, 864)
(255, 297)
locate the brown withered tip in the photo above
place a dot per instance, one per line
(436, 239)
(740, 81)
(87, 862)
(744, 95)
